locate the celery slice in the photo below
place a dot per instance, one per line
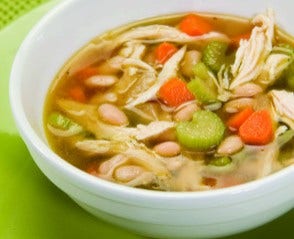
(62, 126)
(289, 76)
(201, 70)
(204, 132)
(201, 90)
(59, 121)
(214, 55)
(220, 162)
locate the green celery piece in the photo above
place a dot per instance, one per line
(201, 90)
(214, 55)
(57, 120)
(280, 48)
(201, 70)
(285, 137)
(220, 162)
(61, 122)
(205, 131)
(289, 76)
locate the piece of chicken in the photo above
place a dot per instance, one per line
(283, 106)
(252, 53)
(273, 68)
(152, 130)
(168, 71)
(162, 33)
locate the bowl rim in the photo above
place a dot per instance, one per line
(94, 184)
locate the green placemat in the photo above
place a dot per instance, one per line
(30, 206)
(10, 10)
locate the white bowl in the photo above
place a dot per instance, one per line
(158, 214)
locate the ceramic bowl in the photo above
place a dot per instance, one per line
(156, 214)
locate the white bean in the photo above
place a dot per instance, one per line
(101, 81)
(237, 105)
(100, 98)
(167, 149)
(128, 173)
(168, 135)
(247, 90)
(107, 167)
(191, 58)
(111, 66)
(230, 145)
(186, 113)
(112, 115)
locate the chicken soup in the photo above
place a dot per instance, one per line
(185, 102)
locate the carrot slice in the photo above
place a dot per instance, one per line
(86, 73)
(175, 92)
(257, 129)
(92, 168)
(235, 41)
(209, 181)
(194, 25)
(77, 93)
(164, 51)
(238, 119)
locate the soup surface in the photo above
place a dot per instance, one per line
(183, 102)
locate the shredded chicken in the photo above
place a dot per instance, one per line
(283, 106)
(87, 56)
(273, 68)
(133, 64)
(252, 53)
(108, 167)
(146, 178)
(169, 70)
(154, 129)
(150, 111)
(87, 116)
(161, 33)
(154, 168)
(101, 147)
(133, 50)
(133, 54)
(256, 60)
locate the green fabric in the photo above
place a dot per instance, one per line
(31, 207)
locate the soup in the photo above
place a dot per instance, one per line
(185, 102)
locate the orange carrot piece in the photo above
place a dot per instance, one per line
(257, 129)
(77, 93)
(236, 39)
(238, 119)
(209, 181)
(86, 73)
(92, 168)
(194, 25)
(164, 51)
(175, 92)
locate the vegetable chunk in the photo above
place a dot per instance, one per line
(257, 129)
(194, 25)
(204, 132)
(238, 119)
(175, 92)
(214, 55)
(164, 51)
